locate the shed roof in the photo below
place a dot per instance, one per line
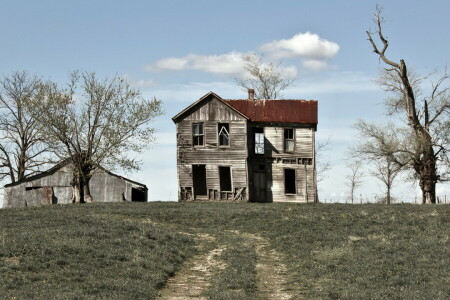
(289, 111)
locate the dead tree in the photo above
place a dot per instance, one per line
(354, 179)
(22, 148)
(386, 171)
(95, 123)
(265, 79)
(382, 146)
(427, 141)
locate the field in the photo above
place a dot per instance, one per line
(225, 251)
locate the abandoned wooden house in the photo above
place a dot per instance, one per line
(247, 150)
(54, 187)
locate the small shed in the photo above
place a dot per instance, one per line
(54, 187)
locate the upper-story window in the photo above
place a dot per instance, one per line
(198, 134)
(259, 140)
(224, 134)
(289, 141)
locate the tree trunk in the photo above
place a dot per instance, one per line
(428, 176)
(428, 191)
(87, 197)
(76, 191)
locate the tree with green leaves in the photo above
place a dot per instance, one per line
(95, 123)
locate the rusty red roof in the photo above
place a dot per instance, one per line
(290, 111)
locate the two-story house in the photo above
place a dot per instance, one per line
(247, 150)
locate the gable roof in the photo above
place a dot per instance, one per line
(61, 165)
(285, 111)
(199, 102)
(288, 111)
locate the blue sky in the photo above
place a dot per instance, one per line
(136, 38)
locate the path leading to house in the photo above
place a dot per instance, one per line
(194, 277)
(271, 273)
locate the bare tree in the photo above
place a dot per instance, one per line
(22, 150)
(354, 179)
(425, 142)
(386, 171)
(380, 145)
(265, 79)
(95, 123)
(323, 164)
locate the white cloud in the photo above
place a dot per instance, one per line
(228, 63)
(309, 46)
(139, 82)
(314, 50)
(314, 64)
(305, 45)
(170, 63)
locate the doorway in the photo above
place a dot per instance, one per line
(199, 180)
(259, 186)
(138, 195)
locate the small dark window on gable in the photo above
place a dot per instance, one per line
(224, 134)
(289, 141)
(197, 134)
(259, 140)
(289, 181)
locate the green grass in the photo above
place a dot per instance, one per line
(238, 279)
(77, 252)
(331, 251)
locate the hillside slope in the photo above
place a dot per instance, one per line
(225, 251)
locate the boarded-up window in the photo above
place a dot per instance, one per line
(225, 179)
(197, 134)
(259, 140)
(289, 141)
(289, 181)
(224, 134)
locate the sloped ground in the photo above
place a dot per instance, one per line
(225, 251)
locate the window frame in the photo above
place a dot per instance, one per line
(285, 139)
(295, 181)
(218, 135)
(263, 142)
(198, 135)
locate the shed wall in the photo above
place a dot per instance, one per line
(104, 188)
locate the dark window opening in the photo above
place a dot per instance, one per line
(259, 140)
(199, 180)
(197, 134)
(224, 134)
(289, 142)
(289, 181)
(225, 179)
(29, 188)
(138, 195)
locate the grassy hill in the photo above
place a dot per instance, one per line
(225, 251)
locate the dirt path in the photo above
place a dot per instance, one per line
(270, 271)
(194, 277)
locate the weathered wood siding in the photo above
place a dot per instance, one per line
(275, 160)
(104, 188)
(274, 142)
(211, 155)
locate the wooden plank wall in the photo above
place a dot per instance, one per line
(274, 157)
(211, 155)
